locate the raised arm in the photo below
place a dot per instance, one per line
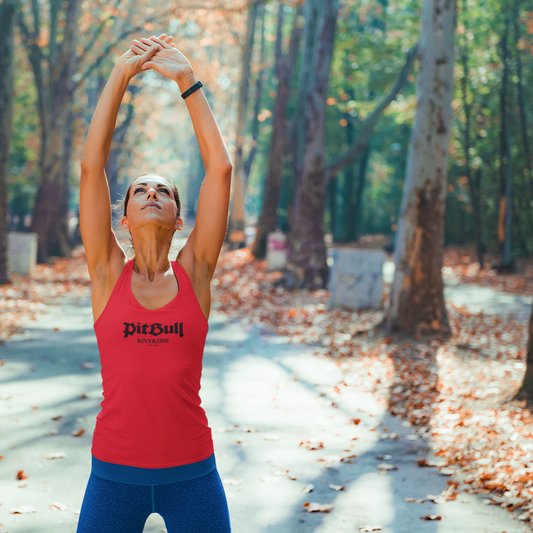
(99, 240)
(207, 236)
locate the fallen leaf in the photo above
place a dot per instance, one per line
(308, 488)
(56, 506)
(431, 517)
(312, 444)
(20, 475)
(314, 507)
(446, 472)
(370, 528)
(336, 487)
(78, 432)
(387, 466)
(413, 500)
(56, 455)
(436, 499)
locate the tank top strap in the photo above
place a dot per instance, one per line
(183, 277)
(187, 287)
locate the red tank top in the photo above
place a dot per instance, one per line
(151, 360)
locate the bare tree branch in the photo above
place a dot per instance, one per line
(97, 34)
(352, 153)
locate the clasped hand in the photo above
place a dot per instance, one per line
(157, 53)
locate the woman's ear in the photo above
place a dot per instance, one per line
(124, 223)
(179, 223)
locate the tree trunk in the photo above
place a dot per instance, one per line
(258, 95)
(503, 142)
(472, 183)
(348, 220)
(283, 68)
(7, 15)
(525, 392)
(55, 97)
(50, 202)
(357, 215)
(331, 195)
(55, 89)
(521, 98)
(312, 10)
(307, 252)
(236, 225)
(417, 293)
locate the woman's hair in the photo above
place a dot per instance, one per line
(126, 198)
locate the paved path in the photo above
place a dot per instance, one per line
(478, 298)
(255, 388)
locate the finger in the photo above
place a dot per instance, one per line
(143, 46)
(160, 42)
(151, 52)
(169, 39)
(149, 65)
(137, 50)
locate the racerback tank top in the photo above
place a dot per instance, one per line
(151, 416)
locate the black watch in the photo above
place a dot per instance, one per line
(197, 85)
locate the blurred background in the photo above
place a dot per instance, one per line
(255, 60)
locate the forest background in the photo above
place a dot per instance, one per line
(323, 105)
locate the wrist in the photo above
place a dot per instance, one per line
(186, 80)
(119, 72)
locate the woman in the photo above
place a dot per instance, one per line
(152, 450)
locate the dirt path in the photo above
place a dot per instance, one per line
(267, 401)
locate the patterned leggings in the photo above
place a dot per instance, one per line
(193, 506)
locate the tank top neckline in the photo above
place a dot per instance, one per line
(134, 300)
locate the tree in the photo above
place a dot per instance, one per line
(307, 253)
(55, 91)
(417, 293)
(283, 70)
(236, 229)
(257, 103)
(58, 71)
(7, 17)
(525, 392)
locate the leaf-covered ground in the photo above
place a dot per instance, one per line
(23, 298)
(454, 391)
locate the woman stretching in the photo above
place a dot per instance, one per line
(152, 449)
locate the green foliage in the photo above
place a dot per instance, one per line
(25, 141)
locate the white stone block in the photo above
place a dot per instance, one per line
(22, 252)
(356, 278)
(276, 251)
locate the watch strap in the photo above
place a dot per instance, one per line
(189, 91)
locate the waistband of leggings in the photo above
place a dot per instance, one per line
(152, 476)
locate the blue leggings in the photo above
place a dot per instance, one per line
(193, 506)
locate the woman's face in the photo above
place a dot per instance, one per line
(151, 202)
